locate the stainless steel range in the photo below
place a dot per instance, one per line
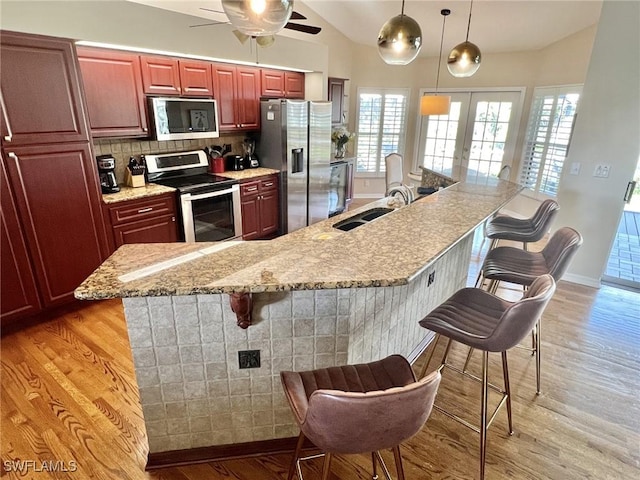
(209, 204)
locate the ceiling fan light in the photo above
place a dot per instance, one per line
(265, 40)
(464, 60)
(435, 105)
(241, 36)
(258, 17)
(399, 40)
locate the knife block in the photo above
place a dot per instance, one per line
(133, 180)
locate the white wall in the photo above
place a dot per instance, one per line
(607, 131)
(563, 62)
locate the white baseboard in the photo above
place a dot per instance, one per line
(582, 280)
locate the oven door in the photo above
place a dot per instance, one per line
(212, 216)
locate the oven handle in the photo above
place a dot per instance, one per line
(189, 197)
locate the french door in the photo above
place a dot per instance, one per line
(476, 139)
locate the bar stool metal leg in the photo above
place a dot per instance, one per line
(424, 367)
(296, 456)
(538, 357)
(398, 458)
(326, 466)
(507, 389)
(483, 413)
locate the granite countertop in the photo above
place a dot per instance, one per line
(388, 251)
(151, 189)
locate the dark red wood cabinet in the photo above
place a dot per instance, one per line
(147, 220)
(237, 90)
(51, 176)
(260, 207)
(195, 78)
(160, 75)
(18, 290)
(113, 89)
(282, 84)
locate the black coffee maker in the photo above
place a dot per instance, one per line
(106, 170)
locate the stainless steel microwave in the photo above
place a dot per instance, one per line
(177, 118)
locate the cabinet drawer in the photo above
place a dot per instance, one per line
(268, 184)
(249, 188)
(142, 209)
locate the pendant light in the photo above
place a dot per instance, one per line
(437, 104)
(257, 18)
(399, 40)
(464, 59)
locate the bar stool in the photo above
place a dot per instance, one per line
(513, 265)
(525, 230)
(359, 409)
(481, 320)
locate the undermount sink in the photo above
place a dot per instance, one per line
(361, 219)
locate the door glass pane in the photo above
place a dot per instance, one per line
(490, 128)
(213, 218)
(440, 141)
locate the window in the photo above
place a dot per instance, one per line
(476, 139)
(553, 112)
(382, 118)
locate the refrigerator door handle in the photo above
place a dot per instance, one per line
(297, 160)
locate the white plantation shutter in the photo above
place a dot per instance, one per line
(553, 112)
(382, 118)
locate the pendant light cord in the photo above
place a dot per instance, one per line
(444, 19)
(402, 11)
(468, 24)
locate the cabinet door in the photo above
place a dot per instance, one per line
(294, 84)
(40, 90)
(269, 212)
(249, 202)
(58, 201)
(160, 75)
(113, 89)
(195, 78)
(156, 230)
(336, 96)
(224, 89)
(272, 83)
(18, 290)
(248, 98)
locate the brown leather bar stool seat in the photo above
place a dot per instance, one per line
(525, 230)
(481, 320)
(513, 265)
(360, 408)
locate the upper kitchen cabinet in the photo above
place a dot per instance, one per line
(336, 97)
(294, 84)
(39, 91)
(195, 78)
(172, 76)
(282, 84)
(237, 90)
(160, 75)
(113, 89)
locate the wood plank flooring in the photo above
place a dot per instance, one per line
(69, 394)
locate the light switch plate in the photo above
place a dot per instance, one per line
(575, 168)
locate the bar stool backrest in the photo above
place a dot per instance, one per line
(560, 249)
(518, 320)
(355, 422)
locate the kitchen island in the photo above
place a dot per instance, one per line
(318, 297)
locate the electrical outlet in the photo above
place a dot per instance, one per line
(575, 168)
(367, 183)
(432, 278)
(249, 359)
(602, 170)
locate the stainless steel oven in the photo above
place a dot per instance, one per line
(212, 216)
(209, 204)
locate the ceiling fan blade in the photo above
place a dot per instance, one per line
(297, 16)
(211, 10)
(310, 29)
(208, 24)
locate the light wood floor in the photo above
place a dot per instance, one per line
(69, 394)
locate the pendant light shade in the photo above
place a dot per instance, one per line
(437, 104)
(464, 59)
(258, 17)
(399, 40)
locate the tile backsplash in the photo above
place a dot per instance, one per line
(123, 148)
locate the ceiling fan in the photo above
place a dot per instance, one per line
(266, 40)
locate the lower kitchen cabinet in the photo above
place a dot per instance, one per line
(18, 290)
(259, 200)
(147, 220)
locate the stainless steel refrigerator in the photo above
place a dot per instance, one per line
(295, 138)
